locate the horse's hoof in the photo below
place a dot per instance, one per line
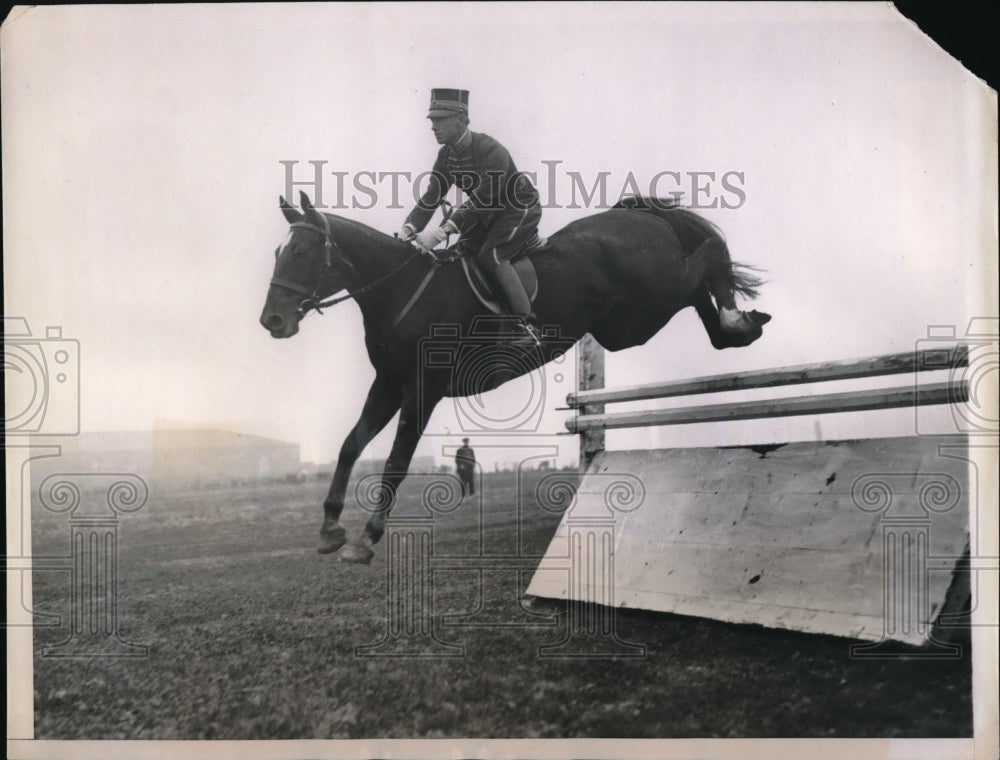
(331, 541)
(759, 317)
(737, 339)
(357, 554)
(328, 545)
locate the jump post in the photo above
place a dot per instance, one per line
(857, 538)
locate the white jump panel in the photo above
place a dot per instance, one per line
(850, 538)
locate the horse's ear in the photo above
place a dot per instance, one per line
(311, 214)
(291, 215)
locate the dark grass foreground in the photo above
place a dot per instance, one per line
(253, 635)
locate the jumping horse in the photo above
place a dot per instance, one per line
(619, 275)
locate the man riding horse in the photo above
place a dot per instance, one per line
(619, 275)
(499, 219)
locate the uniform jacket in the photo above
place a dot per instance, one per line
(465, 457)
(485, 172)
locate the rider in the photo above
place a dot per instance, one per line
(499, 218)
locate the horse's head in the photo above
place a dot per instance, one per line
(308, 267)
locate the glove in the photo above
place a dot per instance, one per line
(407, 232)
(429, 239)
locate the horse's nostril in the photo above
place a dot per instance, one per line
(272, 322)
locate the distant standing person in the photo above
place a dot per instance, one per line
(465, 466)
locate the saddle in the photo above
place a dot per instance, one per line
(480, 283)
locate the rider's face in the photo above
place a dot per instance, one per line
(447, 129)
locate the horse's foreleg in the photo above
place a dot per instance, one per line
(382, 403)
(412, 420)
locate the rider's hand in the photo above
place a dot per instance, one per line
(407, 232)
(429, 239)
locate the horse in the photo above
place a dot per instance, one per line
(619, 275)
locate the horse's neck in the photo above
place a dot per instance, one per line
(370, 253)
(382, 280)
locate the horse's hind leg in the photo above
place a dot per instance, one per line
(711, 267)
(710, 264)
(381, 405)
(720, 338)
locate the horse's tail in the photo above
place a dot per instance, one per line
(743, 278)
(692, 230)
(744, 281)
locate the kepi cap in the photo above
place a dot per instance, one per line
(446, 102)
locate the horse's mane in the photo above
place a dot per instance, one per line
(392, 243)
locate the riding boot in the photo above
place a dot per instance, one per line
(518, 302)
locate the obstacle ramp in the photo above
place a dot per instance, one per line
(853, 538)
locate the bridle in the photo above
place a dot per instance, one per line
(311, 300)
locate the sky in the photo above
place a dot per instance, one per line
(142, 164)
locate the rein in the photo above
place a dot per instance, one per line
(312, 302)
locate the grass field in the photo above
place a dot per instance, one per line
(252, 634)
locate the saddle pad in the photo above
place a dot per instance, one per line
(484, 289)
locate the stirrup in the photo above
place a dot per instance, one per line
(531, 337)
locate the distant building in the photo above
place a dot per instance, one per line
(420, 465)
(175, 457)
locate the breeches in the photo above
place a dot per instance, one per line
(510, 231)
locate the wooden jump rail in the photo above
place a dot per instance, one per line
(837, 540)
(591, 401)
